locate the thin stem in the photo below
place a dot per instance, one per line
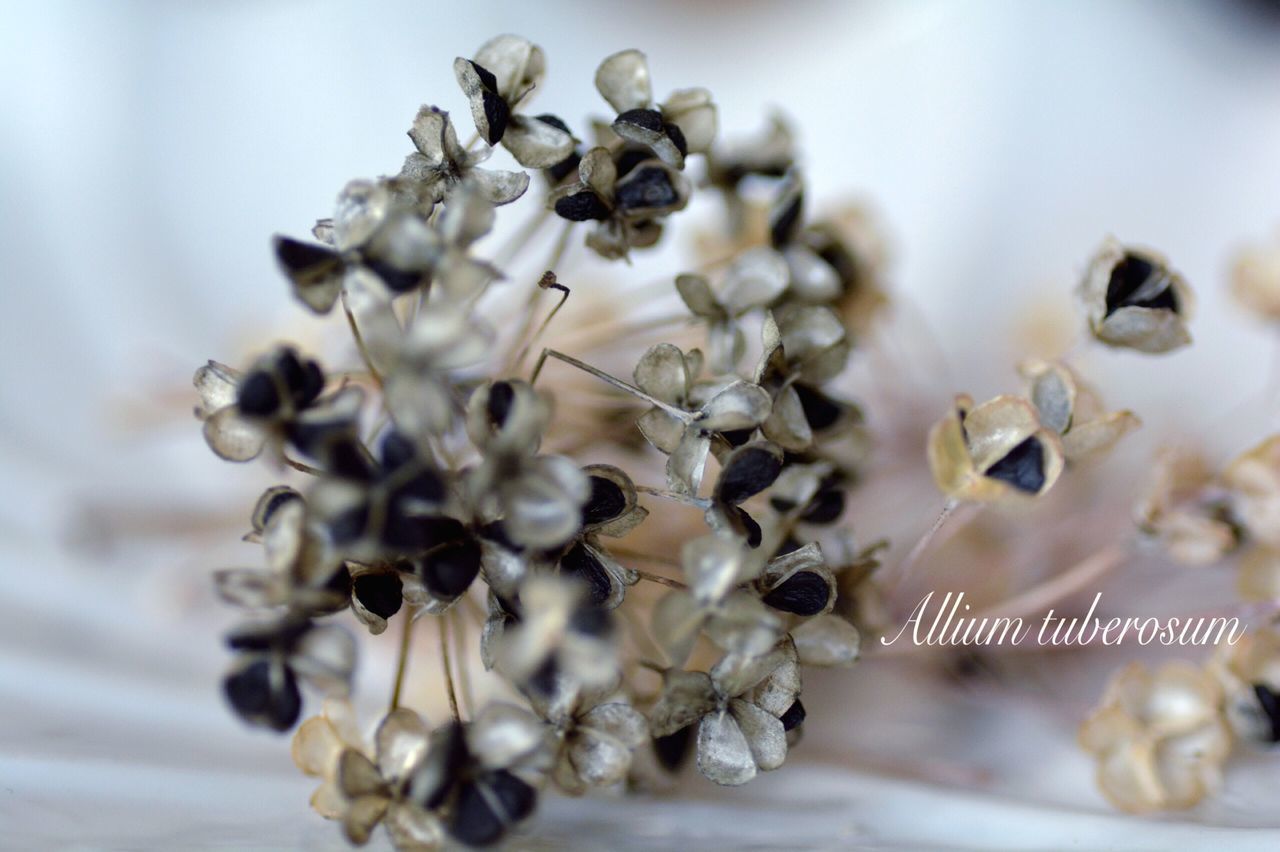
(360, 345)
(464, 670)
(659, 579)
(448, 668)
(908, 566)
(547, 282)
(305, 468)
(402, 662)
(678, 413)
(557, 252)
(685, 499)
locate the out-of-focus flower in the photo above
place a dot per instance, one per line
(1159, 738)
(1249, 671)
(1074, 411)
(318, 745)
(595, 736)
(1253, 479)
(993, 451)
(803, 346)
(738, 709)
(745, 472)
(753, 281)
(558, 634)
(1132, 299)
(1255, 280)
(274, 655)
(1182, 508)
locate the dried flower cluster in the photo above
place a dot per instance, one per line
(429, 497)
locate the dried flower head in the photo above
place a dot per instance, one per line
(993, 451)
(1132, 299)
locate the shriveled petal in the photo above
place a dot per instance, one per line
(662, 373)
(326, 656)
(764, 733)
(696, 293)
(217, 384)
(755, 279)
(741, 405)
(693, 111)
(536, 144)
(713, 565)
(430, 128)
(787, 424)
(232, 437)
(623, 80)
(724, 755)
(598, 173)
(686, 698)
(744, 625)
(401, 744)
(688, 461)
(499, 187)
(517, 64)
(1098, 437)
(676, 622)
(815, 340)
(827, 640)
(363, 817)
(316, 747)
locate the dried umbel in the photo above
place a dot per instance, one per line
(438, 482)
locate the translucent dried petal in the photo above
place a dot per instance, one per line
(1053, 393)
(687, 462)
(1254, 477)
(516, 63)
(743, 625)
(504, 736)
(827, 640)
(662, 372)
(686, 697)
(724, 755)
(764, 733)
(696, 293)
(755, 279)
(693, 111)
(232, 437)
(676, 622)
(536, 144)
(623, 80)
(413, 829)
(217, 384)
(401, 744)
(499, 187)
(363, 817)
(1098, 437)
(741, 405)
(326, 656)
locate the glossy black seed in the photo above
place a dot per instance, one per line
(1023, 467)
(342, 454)
(582, 207)
(745, 525)
(312, 384)
(580, 564)
(1270, 704)
(340, 581)
(554, 121)
(676, 135)
(381, 594)
(496, 111)
(289, 368)
(260, 701)
(649, 187)
(737, 437)
(794, 717)
(607, 501)
(783, 223)
(674, 749)
(1137, 282)
(564, 168)
(501, 397)
(481, 818)
(826, 507)
(258, 396)
(747, 472)
(448, 571)
(496, 532)
(820, 410)
(395, 279)
(646, 119)
(305, 259)
(396, 451)
(591, 620)
(803, 593)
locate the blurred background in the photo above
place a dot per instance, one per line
(149, 149)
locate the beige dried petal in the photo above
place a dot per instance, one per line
(413, 829)
(686, 698)
(218, 386)
(1255, 280)
(827, 640)
(401, 744)
(517, 64)
(764, 733)
(1098, 437)
(1258, 577)
(686, 464)
(662, 373)
(694, 112)
(996, 427)
(1254, 477)
(316, 747)
(363, 816)
(536, 144)
(741, 405)
(695, 292)
(232, 437)
(676, 621)
(1053, 393)
(623, 80)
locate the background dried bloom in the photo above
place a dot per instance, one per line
(1249, 672)
(1133, 299)
(1255, 280)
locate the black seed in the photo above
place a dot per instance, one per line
(290, 370)
(649, 187)
(582, 207)
(745, 525)
(441, 529)
(629, 157)
(450, 570)
(448, 752)
(591, 620)
(496, 532)
(825, 507)
(340, 581)
(737, 437)
(257, 396)
(783, 223)
(794, 717)
(1126, 286)
(279, 635)
(803, 593)
(277, 502)
(746, 473)
(474, 821)
(606, 503)
(350, 525)
(396, 451)
(543, 681)
(259, 701)
(673, 749)
(646, 119)
(676, 135)
(396, 280)
(496, 111)
(1023, 467)
(564, 168)
(820, 410)
(343, 454)
(1271, 707)
(781, 504)
(580, 564)
(554, 121)
(306, 260)
(379, 593)
(789, 545)
(842, 261)
(312, 385)
(501, 397)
